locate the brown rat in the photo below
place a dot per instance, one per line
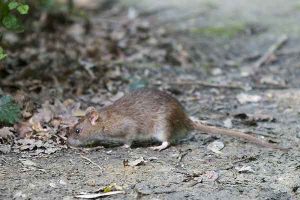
(145, 114)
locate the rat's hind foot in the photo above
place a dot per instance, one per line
(161, 147)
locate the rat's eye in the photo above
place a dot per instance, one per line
(77, 130)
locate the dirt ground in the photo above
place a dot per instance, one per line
(213, 71)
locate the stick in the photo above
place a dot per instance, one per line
(264, 58)
(91, 162)
(207, 84)
(12, 85)
(87, 66)
(96, 195)
(183, 154)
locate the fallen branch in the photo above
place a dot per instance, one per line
(264, 58)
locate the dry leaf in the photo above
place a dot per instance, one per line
(111, 187)
(28, 163)
(23, 129)
(44, 114)
(248, 98)
(6, 134)
(137, 162)
(216, 146)
(245, 169)
(228, 123)
(211, 175)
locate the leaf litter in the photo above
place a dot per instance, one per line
(46, 130)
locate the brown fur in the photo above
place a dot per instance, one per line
(143, 114)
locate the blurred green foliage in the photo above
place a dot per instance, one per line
(10, 12)
(2, 53)
(9, 110)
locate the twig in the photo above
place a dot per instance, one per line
(264, 58)
(183, 154)
(61, 137)
(91, 162)
(250, 158)
(3, 159)
(96, 195)
(207, 84)
(270, 86)
(11, 85)
(87, 66)
(165, 192)
(94, 148)
(230, 164)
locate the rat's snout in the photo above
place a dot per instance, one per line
(73, 142)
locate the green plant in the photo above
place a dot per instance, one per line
(10, 17)
(2, 54)
(9, 111)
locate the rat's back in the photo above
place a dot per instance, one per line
(155, 113)
(146, 101)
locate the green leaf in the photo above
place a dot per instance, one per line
(12, 5)
(11, 22)
(2, 54)
(9, 111)
(23, 9)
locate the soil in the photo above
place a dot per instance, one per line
(204, 53)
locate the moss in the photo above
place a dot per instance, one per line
(224, 31)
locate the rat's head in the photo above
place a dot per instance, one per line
(85, 132)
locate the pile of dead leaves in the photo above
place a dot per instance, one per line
(45, 131)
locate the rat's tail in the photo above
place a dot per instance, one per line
(197, 125)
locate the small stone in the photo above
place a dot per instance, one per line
(91, 182)
(227, 123)
(216, 146)
(52, 185)
(62, 182)
(216, 71)
(244, 169)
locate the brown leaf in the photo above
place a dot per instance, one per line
(136, 162)
(44, 114)
(211, 175)
(6, 134)
(23, 129)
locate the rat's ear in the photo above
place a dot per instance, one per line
(92, 115)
